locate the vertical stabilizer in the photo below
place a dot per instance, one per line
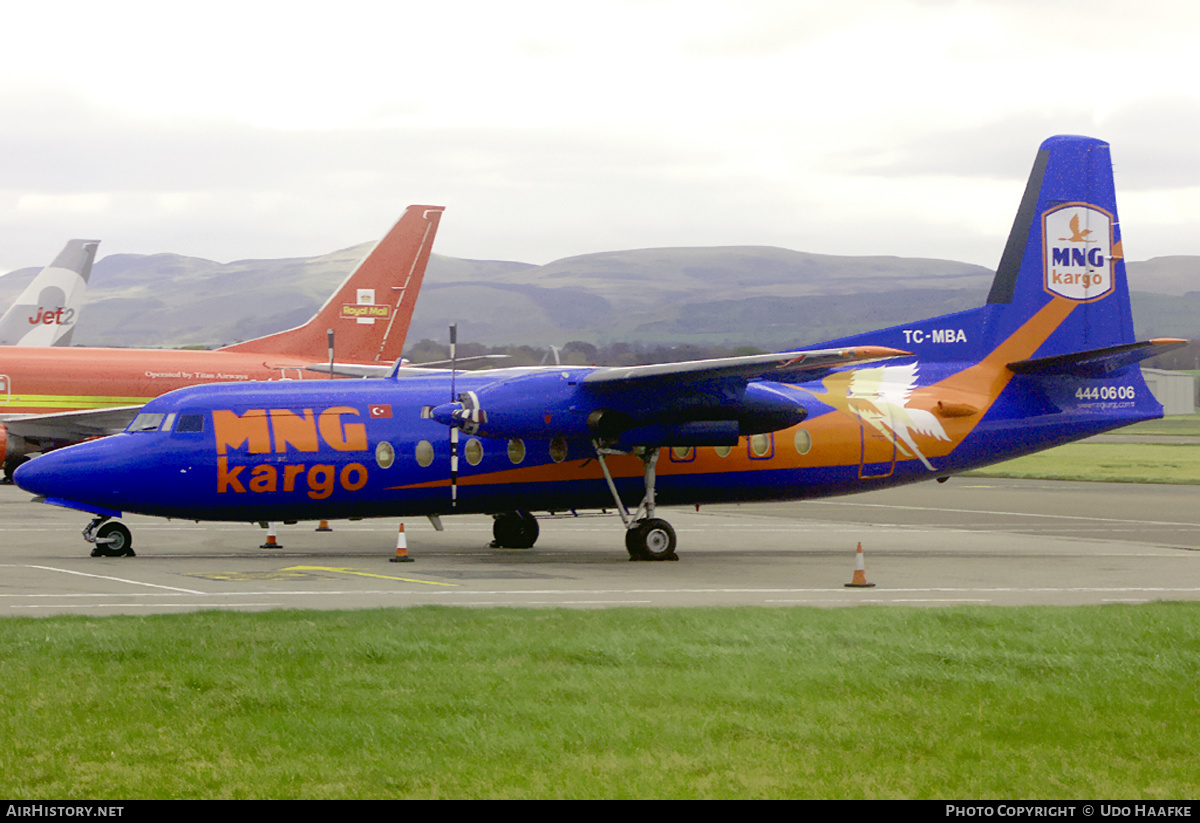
(1065, 248)
(370, 312)
(46, 312)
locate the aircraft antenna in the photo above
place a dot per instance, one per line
(453, 429)
(329, 335)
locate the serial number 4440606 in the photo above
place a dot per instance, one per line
(1104, 393)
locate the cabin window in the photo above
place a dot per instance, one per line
(558, 450)
(682, 454)
(723, 451)
(516, 451)
(424, 454)
(473, 452)
(760, 446)
(803, 441)
(385, 455)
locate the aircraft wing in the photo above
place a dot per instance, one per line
(778, 366)
(399, 369)
(701, 402)
(353, 369)
(70, 427)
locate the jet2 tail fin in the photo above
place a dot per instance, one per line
(46, 312)
(371, 310)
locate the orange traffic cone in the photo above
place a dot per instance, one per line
(860, 572)
(324, 527)
(271, 542)
(401, 548)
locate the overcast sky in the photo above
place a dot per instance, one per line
(231, 130)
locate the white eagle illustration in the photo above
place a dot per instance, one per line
(880, 395)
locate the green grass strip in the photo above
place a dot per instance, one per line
(1085, 702)
(1105, 462)
(1182, 425)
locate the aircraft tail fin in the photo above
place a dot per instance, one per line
(46, 312)
(1060, 288)
(1064, 261)
(371, 310)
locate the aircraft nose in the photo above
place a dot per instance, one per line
(33, 475)
(75, 473)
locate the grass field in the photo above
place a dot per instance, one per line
(1088, 702)
(1187, 425)
(1161, 462)
(1105, 462)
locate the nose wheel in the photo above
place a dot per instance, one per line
(111, 538)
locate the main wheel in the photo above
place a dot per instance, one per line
(651, 539)
(11, 465)
(113, 539)
(515, 530)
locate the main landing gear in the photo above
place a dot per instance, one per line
(515, 530)
(110, 537)
(646, 536)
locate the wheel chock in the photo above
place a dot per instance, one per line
(860, 572)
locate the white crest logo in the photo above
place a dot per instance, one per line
(880, 397)
(1077, 251)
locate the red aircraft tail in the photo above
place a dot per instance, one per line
(370, 312)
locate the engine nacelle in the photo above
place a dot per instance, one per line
(546, 405)
(534, 406)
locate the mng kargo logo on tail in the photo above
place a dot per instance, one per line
(1078, 251)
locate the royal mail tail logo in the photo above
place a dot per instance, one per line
(1078, 251)
(369, 313)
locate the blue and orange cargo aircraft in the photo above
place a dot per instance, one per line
(53, 396)
(1050, 358)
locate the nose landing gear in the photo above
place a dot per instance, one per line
(111, 538)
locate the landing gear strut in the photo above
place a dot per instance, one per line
(110, 537)
(646, 536)
(515, 530)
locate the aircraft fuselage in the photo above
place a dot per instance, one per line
(363, 449)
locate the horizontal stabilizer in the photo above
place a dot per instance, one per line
(1097, 362)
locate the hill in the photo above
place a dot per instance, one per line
(761, 296)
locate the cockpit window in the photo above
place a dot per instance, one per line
(190, 423)
(146, 422)
(151, 421)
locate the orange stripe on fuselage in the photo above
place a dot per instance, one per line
(988, 378)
